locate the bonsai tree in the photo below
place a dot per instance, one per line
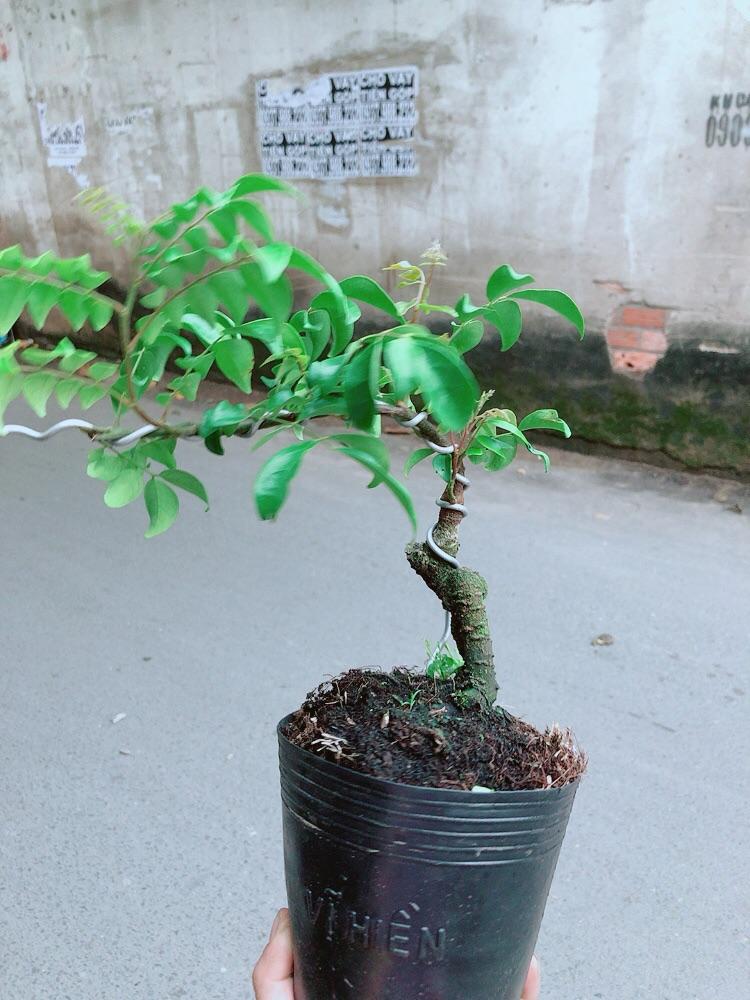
(198, 271)
(210, 292)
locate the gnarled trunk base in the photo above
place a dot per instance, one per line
(462, 592)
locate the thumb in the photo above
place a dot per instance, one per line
(272, 975)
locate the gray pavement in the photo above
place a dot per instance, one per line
(140, 859)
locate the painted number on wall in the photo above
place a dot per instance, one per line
(728, 122)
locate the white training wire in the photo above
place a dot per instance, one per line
(74, 423)
(445, 505)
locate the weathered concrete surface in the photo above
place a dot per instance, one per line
(568, 138)
(601, 146)
(141, 859)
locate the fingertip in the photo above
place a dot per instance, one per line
(532, 985)
(280, 921)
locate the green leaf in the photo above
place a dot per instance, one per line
(273, 479)
(273, 259)
(207, 333)
(466, 308)
(448, 385)
(291, 340)
(364, 289)
(187, 385)
(255, 183)
(196, 238)
(467, 336)
(416, 457)
(324, 375)
(506, 317)
(547, 420)
(344, 314)
(223, 221)
(256, 216)
(235, 359)
(166, 228)
(64, 348)
(505, 280)
(201, 299)
(230, 290)
(404, 360)
(275, 299)
(41, 265)
(104, 465)
(431, 307)
(8, 362)
(200, 364)
(162, 504)
(37, 357)
(161, 451)
(75, 359)
(37, 389)
(510, 428)
(101, 370)
(91, 394)
(367, 443)
(72, 269)
(186, 481)
(316, 326)
(13, 292)
(360, 383)
(443, 465)
(11, 257)
(73, 306)
(171, 276)
(154, 299)
(223, 417)
(397, 489)
(67, 389)
(497, 452)
(10, 386)
(265, 330)
(41, 299)
(558, 301)
(126, 487)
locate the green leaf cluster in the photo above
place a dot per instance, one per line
(134, 472)
(64, 373)
(39, 284)
(212, 295)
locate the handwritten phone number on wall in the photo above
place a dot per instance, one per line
(728, 122)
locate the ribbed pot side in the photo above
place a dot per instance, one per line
(398, 892)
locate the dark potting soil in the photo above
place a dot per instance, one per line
(404, 727)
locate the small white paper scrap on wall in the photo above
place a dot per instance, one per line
(355, 124)
(65, 144)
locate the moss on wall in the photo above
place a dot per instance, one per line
(694, 408)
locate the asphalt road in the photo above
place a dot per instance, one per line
(141, 683)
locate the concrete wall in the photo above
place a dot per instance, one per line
(567, 137)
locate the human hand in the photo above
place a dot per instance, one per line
(273, 972)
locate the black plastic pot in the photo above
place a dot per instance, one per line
(398, 892)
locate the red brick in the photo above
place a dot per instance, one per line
(643, 316)
(639, 340)
(633, 362)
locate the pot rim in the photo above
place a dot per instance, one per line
(394, 787)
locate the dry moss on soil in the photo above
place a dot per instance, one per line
(407, 728)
